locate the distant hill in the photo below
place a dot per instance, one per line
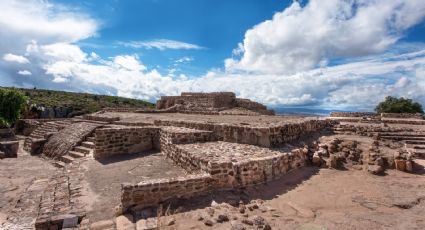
(72, 104)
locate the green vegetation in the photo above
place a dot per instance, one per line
(398, 105)
(80, 103)
(12, 102)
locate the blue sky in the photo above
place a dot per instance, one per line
(335, 54)
(217, 26)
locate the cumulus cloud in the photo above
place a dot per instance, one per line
(161, 44)
(24, 72)
(302, 38)
(283, 61)
(15, 58)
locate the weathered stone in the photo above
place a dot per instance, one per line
(375, 169)
(147, 224)
(170, 221)
(409, 166)
(222, 218)
(400, 164)
(103, 224)
(238, 226)
(125, 222)
(70, 221)
(208, 222)
(247, 221)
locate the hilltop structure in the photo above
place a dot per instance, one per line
(209, 103)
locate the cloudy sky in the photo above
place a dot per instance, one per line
(331, 54)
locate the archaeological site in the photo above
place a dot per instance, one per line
(213, 161)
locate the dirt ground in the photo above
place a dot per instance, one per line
(104, 179)
(312, 198)
(18, 177)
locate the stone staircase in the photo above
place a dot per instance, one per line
(42, 130)
(85, 149)
(414, 142)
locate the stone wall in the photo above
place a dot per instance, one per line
(171, 136)
(9, 149)
(95, 117)
(117, 140)
(152, 192)
(260, 136)
(208, 103)
(403, 115)
(211, 175)
(353, 114)
(254, 106)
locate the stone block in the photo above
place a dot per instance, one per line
(147, 224)
(125, 222)
(103, 224)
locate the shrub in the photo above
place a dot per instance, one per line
(12, 102)
(398, 105)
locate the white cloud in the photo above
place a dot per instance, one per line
(184, 60)
(24, 72)
(161, 44)
(42, 21)
(302, 38)
(129, 62)
(15, 58)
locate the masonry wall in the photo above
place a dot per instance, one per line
(171, 136)
(211, 176)
(353, 114)
(260, 136)
(402, 115)
(117, 140)
(152, 192)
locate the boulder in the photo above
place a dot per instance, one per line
(375, 169)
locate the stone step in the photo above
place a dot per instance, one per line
(415, 142)
(66, 159)
(405, 134)
(91, 139)
(59, 164)
(419, 154)
(419, 147)
(82, 149)
(88, 144)
(406, 138)
(76, 154)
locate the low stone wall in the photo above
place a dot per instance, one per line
(152, 192)
(403, 115)
(9, 149)
(260, 136)
(353, 114)
(234, 165)
(212, 174)
(116, 140)
(94, 117)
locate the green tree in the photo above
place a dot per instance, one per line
(12, 102)
(398, 105)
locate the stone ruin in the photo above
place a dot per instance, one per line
(214, 155)
(209, 103)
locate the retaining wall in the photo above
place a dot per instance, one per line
(152, 192)
(117, 140)
(403, 115)
(353, 114)
(260, 136)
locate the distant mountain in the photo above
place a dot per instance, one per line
(302, 111)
